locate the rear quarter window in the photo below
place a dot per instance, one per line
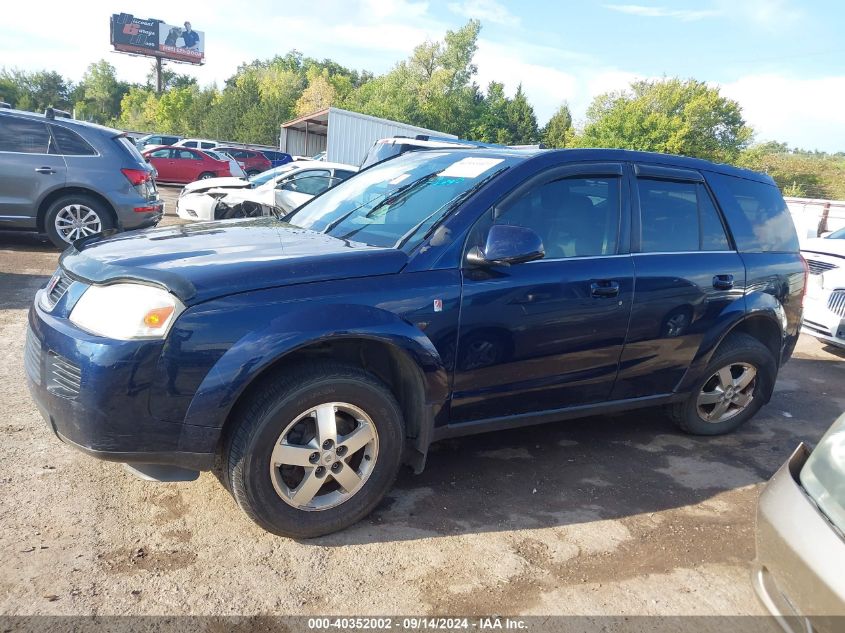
(757, 214)
(70, 143)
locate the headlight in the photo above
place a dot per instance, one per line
(126, 311)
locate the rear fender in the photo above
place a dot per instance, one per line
(755, 305)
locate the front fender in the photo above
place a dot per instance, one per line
(297, 328)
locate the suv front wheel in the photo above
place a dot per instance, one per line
(75, 216)
(738, 379)
(315, 449)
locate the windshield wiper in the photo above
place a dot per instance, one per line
(388, 199)
(449, 206)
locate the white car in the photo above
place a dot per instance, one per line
(197, 143)
(273, 192)
(824, 303)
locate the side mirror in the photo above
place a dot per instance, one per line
(506, 245)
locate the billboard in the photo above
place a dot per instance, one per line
(157, 39)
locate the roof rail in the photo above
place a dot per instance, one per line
(448, 139)
(52, 113)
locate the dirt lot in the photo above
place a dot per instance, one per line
(612, 515)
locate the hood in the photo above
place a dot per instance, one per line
(835, 247)
(261, 195)
(198, 262)
(212, 183)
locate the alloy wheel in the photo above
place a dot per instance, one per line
(324, 456)
(75, 221)
(727, 393)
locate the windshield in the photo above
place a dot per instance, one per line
(380, 152)
(266, 176)
(837, 235)
(397, 203)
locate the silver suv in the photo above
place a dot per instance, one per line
(71, 179)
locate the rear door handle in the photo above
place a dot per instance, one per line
(45, 170)
(604, 288)
(723, 282)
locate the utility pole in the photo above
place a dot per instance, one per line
(159, 87)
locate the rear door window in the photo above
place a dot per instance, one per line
(757, 214)
(678, 217)
(23, 136)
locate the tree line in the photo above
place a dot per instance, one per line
(435, 88)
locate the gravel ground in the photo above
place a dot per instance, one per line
(605, 515)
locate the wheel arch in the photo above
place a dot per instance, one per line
(54, 195)
(762, 324)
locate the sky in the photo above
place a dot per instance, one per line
(782, 60)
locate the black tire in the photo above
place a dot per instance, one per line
(736, 348)
(252, 172)
(104, 215)
(206, 175)
(276, 403)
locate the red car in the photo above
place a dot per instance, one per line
(253, 162)
(183, 164)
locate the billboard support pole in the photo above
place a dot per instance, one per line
(158, 76)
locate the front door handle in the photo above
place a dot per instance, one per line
(723, 282)
(604, 289)
(45, 170)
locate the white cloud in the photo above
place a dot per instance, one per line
(486, 10)
(799, 111)
(771, 15)
(685, 15)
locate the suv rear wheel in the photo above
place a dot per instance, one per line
(737, 380)
(315, 450)
(75, 216)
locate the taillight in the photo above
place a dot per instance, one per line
(136, 176)
(806, 277)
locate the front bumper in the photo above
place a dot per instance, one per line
(798, 573)
(95, 392)
(196, 206)
(824, 315)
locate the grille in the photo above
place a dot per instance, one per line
(836, 302)
(58, 289)
(818, 267)
(32, 357)
(64, 378)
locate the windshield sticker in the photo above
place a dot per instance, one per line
(470, 167)
(399, 178)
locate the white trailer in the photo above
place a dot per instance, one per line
(345, 136)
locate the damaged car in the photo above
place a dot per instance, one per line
(277, 191)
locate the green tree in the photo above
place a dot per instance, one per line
(522, 122)
(169, 79)
(492, 124)
(319, 94)
(670, 115)
(101, 93)
(138, 110)
(797, 172)
(433, 88)
(558, 131)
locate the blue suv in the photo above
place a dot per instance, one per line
(438, 294)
